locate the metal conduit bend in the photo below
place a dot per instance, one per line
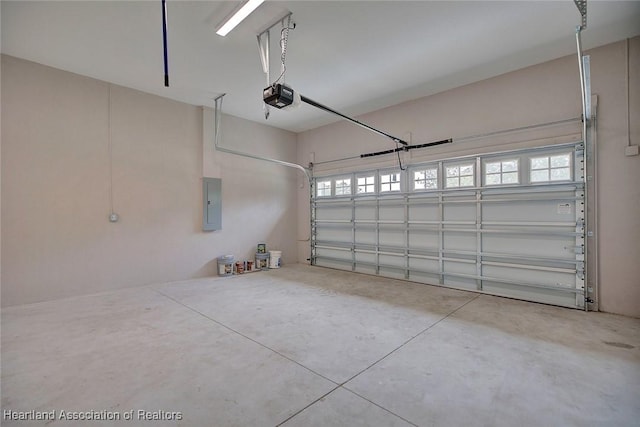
(217, 124)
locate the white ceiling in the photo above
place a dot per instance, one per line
(354, 56)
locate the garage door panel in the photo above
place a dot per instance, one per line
(428, 278)
(333, 258)
(515, 233)
(535, 274)
(325, 252)
(460, 267)
(547, 296)
(365, 212)
(393, 260)
(366, 269)
(463, 241)
(392, 237)
(424, 239)
(366, 236)
(333, 234)
(424, 213)
(365, 257)
(561, 247)
(327, 213)
(460, 283)
(391, 213)
(335, 264)
(460, 211)
(424, 265)
(394, 273)
(530, 211)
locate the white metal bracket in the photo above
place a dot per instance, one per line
(582, 8)
(264, 42)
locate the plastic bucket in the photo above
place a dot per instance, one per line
(262, 261)
(225, 265)
(274, 262)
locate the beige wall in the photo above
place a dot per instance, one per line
(57, 240)
(618, 178)
(543, 93)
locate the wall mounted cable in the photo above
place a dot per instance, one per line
(626, 72)
(113, 217)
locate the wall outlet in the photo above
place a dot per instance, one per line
(114, 217)
(632, 150)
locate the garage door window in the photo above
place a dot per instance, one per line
(459, 176)
(501, 172)
(551, 168)
(425, 179)
(324, 189)
(366, 184)
(389, 182)
(343, 187)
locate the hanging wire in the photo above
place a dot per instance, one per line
(284, 39)
(399, 160)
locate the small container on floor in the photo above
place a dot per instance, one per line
(262, 261)
(225, 265)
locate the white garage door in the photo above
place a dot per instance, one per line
(509, 223)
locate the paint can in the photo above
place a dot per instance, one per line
(239, 267)
(225, 265)
(262, 261)
(275, 257)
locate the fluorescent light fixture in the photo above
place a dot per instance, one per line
(238, 17)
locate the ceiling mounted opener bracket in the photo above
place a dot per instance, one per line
(264, 48)
(264, 40)
(582, 8)
(584, 67)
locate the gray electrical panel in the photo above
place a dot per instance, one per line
(212, 204)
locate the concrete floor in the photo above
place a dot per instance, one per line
(306, 346)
